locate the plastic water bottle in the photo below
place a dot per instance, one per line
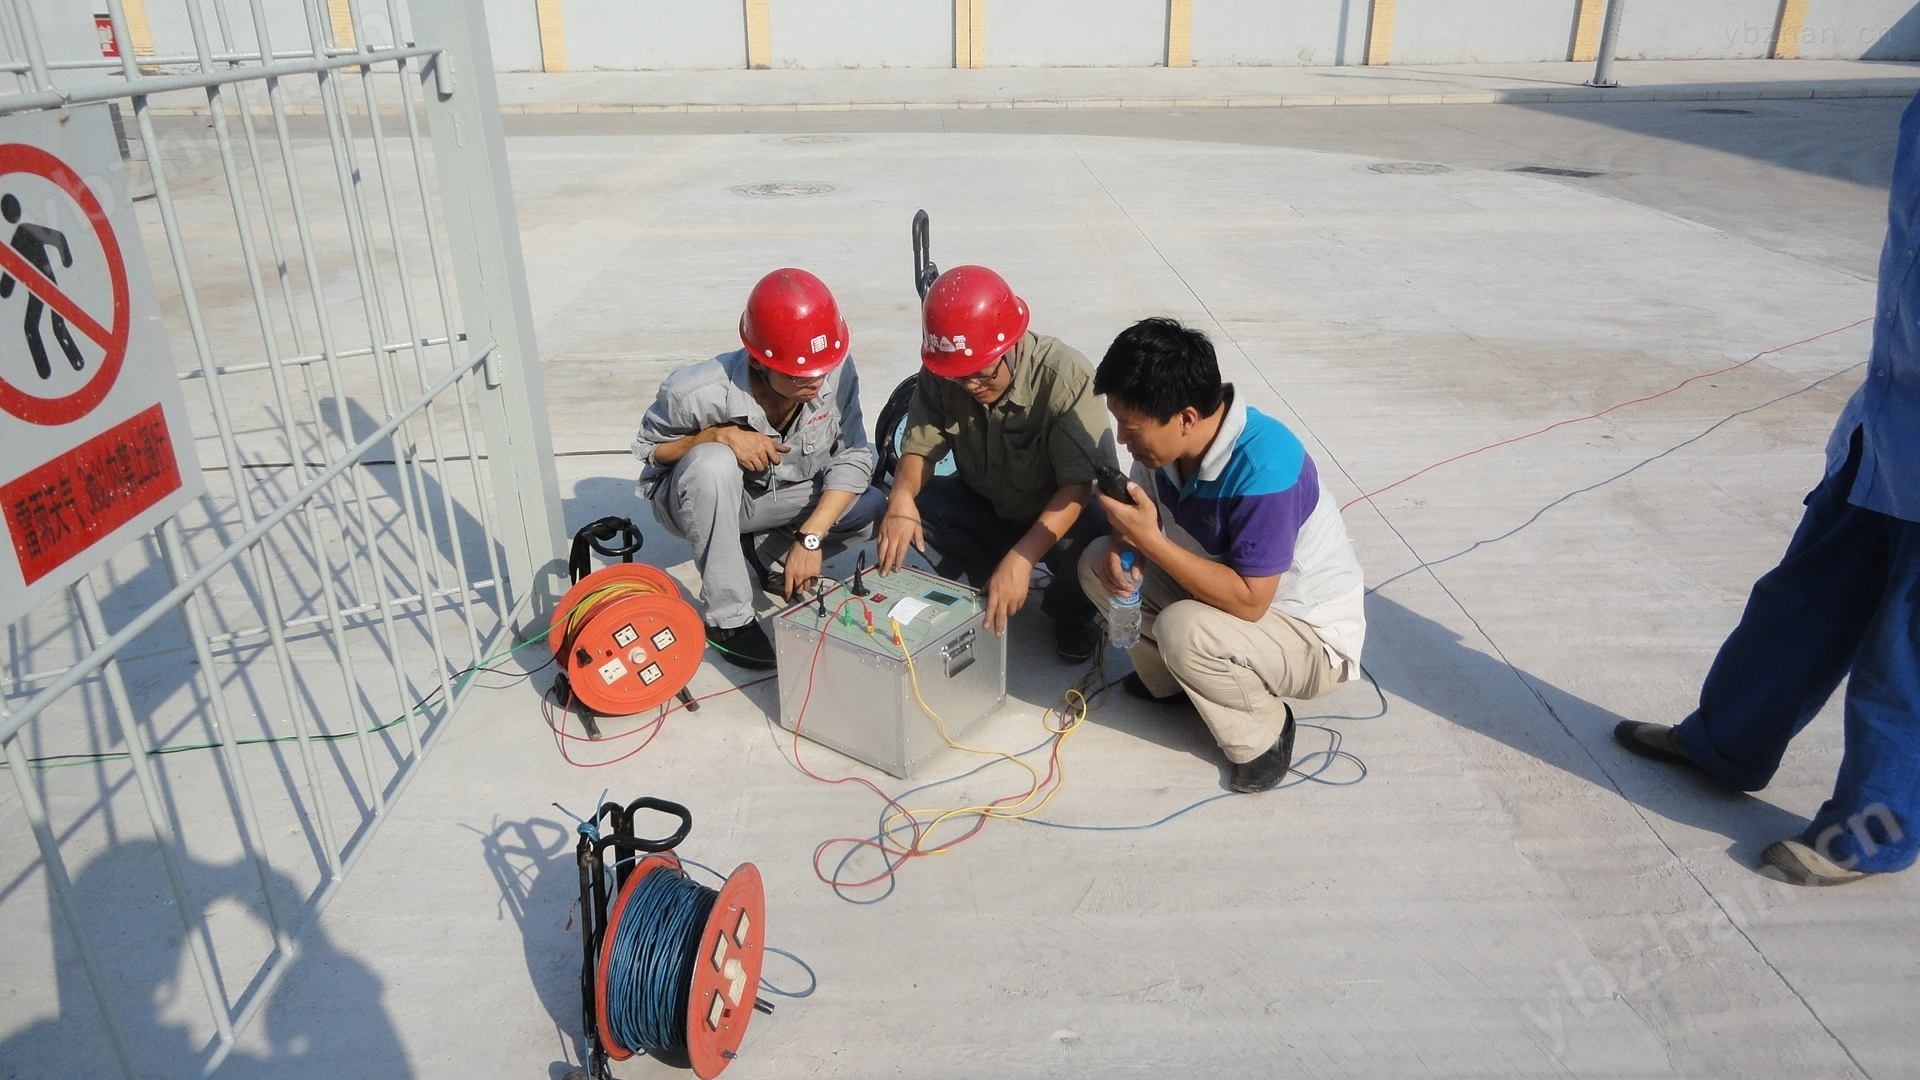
(1123, 614)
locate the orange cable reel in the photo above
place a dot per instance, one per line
(626, 639)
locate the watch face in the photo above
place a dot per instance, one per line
(810, 542)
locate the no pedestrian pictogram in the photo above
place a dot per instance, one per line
(26, 261)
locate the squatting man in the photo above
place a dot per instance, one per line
(1250, 590)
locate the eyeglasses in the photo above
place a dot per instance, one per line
(980, 378)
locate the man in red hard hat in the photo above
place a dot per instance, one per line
(764, 443)
(1017, 411)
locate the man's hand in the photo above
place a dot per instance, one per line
(1134, 522)
(751, 449)
(900, 528)
(1007, 590)
(1119, 581)
(803, 569)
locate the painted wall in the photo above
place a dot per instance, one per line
(286, 24)
(648, 35)
(861, 33)
(173, 35)
(1698, 29)
(1488, 31)
(1262, 33)
(514, 28)
(65, 33)
(824, 34)
(1076, 33)
(1868, 29)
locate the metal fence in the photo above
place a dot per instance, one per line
(205, 733)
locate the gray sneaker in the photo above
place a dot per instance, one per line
(1799, 864)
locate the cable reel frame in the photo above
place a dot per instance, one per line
(727, 962)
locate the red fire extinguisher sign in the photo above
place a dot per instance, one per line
(109, 45)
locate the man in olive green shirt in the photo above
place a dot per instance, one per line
(1018, 413)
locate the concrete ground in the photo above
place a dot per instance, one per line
(1502, 892)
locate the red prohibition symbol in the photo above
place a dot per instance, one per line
(112, 337)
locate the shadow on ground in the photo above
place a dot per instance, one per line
(1428, 665)
(339, 1027)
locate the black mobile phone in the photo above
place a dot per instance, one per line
(1112, 483)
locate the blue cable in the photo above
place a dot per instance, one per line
(649, 972)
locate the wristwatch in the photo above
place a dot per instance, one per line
(810, 541)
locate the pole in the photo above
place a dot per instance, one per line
(1609, 42)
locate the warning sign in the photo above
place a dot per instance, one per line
(98, 447)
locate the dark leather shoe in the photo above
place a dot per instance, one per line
(744, 646)
(1265, 772)
(1135, 686)
(1076, 642)
(1651, 741)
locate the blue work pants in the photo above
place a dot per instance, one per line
(1844, 601)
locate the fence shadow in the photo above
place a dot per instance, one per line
(534, 863)
(137, 935)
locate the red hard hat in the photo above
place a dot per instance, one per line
(970, 320)
(792, 324)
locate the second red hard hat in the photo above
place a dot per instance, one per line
(971, 318)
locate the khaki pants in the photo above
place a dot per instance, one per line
(1235, 672)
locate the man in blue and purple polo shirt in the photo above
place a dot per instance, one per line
(1249, 590)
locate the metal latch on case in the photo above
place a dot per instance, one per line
(958, 654)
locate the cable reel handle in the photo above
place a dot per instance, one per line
(648, 802)
(924, 272)
(613, 537)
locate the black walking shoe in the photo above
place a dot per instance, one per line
(1651, 741)
(1265, 772)
(744, 646)
(1135, 686)
(1076, 642)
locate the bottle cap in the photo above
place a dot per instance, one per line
(1126, 561)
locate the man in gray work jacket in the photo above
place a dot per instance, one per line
(762, 449)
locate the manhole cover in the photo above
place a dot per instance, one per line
(1408, 168)
(784, 189)
(1549, 170)
(1717, 111)
(813, 140)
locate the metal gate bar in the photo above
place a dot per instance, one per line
(365, 564)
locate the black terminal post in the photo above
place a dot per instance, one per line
(859, 570)
(820, 597)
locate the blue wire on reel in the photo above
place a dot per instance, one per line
(649, 973)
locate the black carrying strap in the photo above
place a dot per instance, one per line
(887, 429)
(613, 537)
